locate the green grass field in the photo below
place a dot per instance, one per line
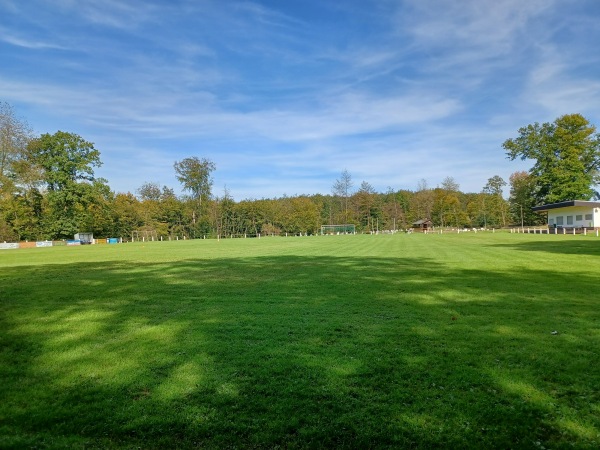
(405, 341)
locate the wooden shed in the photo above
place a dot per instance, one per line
(422, 225)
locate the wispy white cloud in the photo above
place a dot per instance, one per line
(111, 13)
(351, 114)
(28, 43)
(552, 86)
(177, 113)
(264, 15)
(494, 26)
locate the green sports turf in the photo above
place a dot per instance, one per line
(406, 341)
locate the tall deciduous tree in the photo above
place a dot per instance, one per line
(364, 199)
(15, 134)
(68, 162)
(449, 184)
(522, 199)
(422, 202)
(194, 174)
(392, 211)
(299, 215)
(446, 204)
(496, 208)
(342, 189)
(126, 215)
(149, 191)
(566, 154)
(66, 159)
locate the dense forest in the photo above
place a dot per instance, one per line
(48, 191)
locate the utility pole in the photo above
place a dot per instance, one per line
(522, 221)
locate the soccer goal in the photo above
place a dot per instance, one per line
(338, 229)
(144, 235)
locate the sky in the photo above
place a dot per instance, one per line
(284, 95)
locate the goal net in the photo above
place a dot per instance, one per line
(144, 235)
(338, 229)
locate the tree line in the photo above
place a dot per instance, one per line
(48, 190)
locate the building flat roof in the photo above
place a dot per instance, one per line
(566, 204)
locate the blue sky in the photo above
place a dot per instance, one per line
(285, 95)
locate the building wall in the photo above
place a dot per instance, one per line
(574, 217)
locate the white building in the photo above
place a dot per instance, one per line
(85, 238)
(572, 214)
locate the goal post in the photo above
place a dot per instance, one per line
(338, 229)
(144, 235)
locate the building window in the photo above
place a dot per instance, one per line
(579, 217)
(589, 217)
(569, 220)
(551, 222)
(559, 220)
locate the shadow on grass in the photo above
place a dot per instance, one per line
(297, 352)
(568, 245)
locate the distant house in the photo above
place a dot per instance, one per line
(571, 214)
(422, 225)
